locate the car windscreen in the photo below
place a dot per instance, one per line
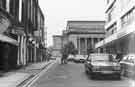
(99, 58)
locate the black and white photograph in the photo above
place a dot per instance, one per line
(67, 43)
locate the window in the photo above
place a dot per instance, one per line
(128, 18)
(0, 3)
(112, 29)
(108, 1)
(112, 13)
(3, 4)
(124, 3)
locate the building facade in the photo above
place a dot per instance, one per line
(40, 36)
(119, 27)
(84, 34)
(57, 45)
(19, 21)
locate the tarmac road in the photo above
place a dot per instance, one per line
(73, 75)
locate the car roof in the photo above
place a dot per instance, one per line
(99, 54)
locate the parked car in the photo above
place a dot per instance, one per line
(70, 58)
(82, 60)
(98, 64)
(79, 59)
(128, 65)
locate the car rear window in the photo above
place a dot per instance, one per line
(99, 57)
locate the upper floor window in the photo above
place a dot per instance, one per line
(112, 13)
(3, 4)
(108, 1)
(124, 3)
(128, 18)
(111, 30)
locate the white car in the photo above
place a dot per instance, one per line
(102, 64)
(128, 65)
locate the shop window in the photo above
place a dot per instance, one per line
(0, 3)
(3, 5)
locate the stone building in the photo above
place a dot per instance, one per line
(85, 34)
(57, 45)
(18, 23)
(120, 27)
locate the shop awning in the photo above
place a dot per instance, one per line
(125, 31)
(7, 39)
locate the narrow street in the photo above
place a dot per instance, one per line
(73, 75)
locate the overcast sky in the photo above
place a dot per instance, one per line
(57, 12)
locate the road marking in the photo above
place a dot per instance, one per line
(35, 78)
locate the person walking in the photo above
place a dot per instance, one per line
(64, 59)
(119, 56)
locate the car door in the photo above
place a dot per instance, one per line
(124, 65)
(128, 65)
(87, 63)
(131, 66)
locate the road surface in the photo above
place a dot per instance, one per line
(73, 75)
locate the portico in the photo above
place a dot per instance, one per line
(86, 43)
(85, 34)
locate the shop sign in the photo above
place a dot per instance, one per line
(18, 32)
(4, 23)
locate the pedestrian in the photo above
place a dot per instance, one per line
(64, 59)
(111, 58)
(119, 56)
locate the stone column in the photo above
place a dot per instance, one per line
(21, 50)
(86, 45)
(98, 39)
(18, 55)
(98, 48)
(79, 45)
(25, 56)
(92, 42)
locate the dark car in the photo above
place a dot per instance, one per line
(70, 58)
(97, 64)
(82, 60)
(128, 65)
(79, 59)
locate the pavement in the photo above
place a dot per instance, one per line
(18, 77)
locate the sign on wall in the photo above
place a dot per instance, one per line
(4, 23)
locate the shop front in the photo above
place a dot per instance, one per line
(8, 53)
(124, 45)
(8, 42)
(120, 42)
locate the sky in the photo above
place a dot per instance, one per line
(58, 12)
